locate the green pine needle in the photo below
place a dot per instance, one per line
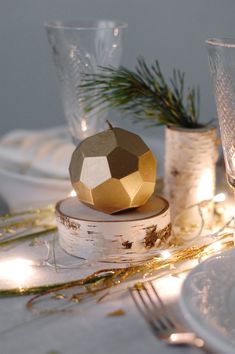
(143, 93)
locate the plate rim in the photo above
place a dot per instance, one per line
(34, 179)
(213, 338)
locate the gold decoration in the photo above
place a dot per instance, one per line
(104, 279)
(155, 237)
(116, 313)
(113, 170)
(28, 224)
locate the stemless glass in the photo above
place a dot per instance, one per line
(222, 66)
(78, 49)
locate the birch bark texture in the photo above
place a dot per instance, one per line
(190, 172)
(93, 235)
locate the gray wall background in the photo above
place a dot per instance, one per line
(173, 31)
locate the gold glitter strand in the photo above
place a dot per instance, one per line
(106, 278)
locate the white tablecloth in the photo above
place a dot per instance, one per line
(87, 331)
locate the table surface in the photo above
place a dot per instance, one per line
(88, 330)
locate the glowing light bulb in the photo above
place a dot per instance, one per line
(220, 197)
(217, 246)
(165, 254)
(116, 32)
(16, 270)
(73, 193)
(83, 125)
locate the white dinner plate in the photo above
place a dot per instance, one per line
(25, 191)
(208, 301)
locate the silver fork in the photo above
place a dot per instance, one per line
(162, 323)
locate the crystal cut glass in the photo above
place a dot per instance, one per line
(79, 49)
(222, 66)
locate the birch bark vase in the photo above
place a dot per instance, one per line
(189, 172)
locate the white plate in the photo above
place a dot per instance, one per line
(24, 191)
(208, 301)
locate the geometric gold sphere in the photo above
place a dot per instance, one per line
(113, 171)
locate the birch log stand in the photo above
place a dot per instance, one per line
(94, 235)
(190, 170)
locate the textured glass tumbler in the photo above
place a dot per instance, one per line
(78, 49)
(222, 66)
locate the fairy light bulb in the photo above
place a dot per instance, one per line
(73, 193)
(16, 270)
(220, 197)
(165, 254)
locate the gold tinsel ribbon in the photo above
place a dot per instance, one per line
(104, 279)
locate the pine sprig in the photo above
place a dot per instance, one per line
(144, 93)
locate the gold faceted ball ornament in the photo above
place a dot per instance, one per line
(113, 171)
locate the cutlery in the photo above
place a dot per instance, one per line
(157, 315)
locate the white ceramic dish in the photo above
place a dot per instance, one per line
(34, 167)
(208, 301)
(22, 191)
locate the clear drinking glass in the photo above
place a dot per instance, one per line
(222, 66)
(80, 48)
